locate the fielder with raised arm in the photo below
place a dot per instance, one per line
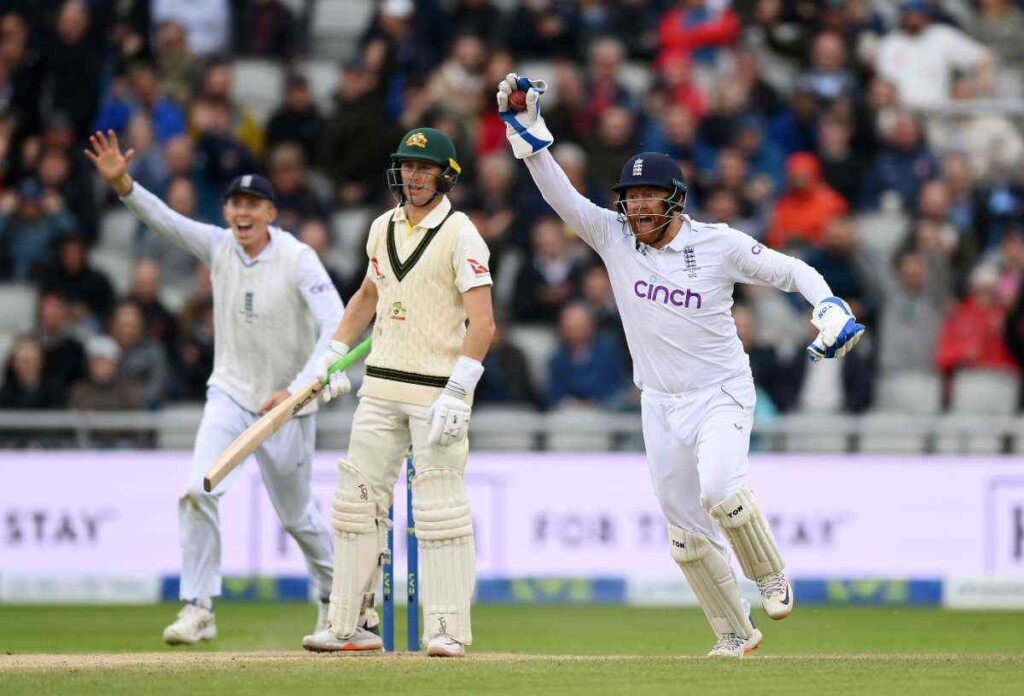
(673, 282)
(427, 274)
(274, 309)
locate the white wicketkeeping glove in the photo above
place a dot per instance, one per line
(525, 130)
(339, 383)
(838, 330)
(448, 417)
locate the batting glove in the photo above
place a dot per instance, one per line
(838, 330)
(525, 130)
(448, 417)
(338, 383)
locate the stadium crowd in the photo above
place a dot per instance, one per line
(846, 132)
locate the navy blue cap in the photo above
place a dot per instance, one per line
(917, 6)
(651, 169)
(252, 185)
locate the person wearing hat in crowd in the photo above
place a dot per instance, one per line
(922, 57)
(274, 310)
(673, 279)
(428, 274)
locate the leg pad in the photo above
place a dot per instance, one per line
(712, 581)
(748, 532)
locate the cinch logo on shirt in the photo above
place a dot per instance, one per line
(656, 292)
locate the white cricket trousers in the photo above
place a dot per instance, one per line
(697, 445)
(286, 465)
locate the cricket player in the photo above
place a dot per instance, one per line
(673, 282)
(426, 276)
(274, 310)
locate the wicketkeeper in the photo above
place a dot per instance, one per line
(274, 309)
(427, 275)
(673, 280)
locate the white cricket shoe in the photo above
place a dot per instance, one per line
(443, 645)
(194, 624)
(731, 645)
(326, 641)
(776, 595)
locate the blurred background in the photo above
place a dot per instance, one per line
(880, 141)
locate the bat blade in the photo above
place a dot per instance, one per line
(258, 433)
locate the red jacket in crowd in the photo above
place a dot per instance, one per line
(972, 336)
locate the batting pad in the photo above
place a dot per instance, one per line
(712, 580)
(359, 541)
(444, 528)
(752, 540)
(440, 506)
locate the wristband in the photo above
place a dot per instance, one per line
(465, 376)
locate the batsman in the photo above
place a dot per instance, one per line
(427, 275)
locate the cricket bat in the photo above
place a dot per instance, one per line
(257, 433)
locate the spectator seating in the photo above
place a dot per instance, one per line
(918, 393)
(569, 428)
(816, 432)
(985, 392)
(882, 232)
(964, 433)
(19, 308)
(336, 26)
(538, 343)
(5, 348)
(118, 266)
(323, 76)
(894, 433)
(258, 84)
(350, 228)
(636, 77)
(117, 231)
(500, 428)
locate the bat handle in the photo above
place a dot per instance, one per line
(350, 357)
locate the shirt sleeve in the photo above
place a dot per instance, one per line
(470, 259)
(962, 50)
(371, 244)
(196, 237)
(591, 223)
(748, 261)
(324, 303)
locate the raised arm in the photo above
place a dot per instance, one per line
(196, 237)
(530, 140)
(589, 221)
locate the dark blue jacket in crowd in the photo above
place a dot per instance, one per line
(598, 375)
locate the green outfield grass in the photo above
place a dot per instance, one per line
(535, 650)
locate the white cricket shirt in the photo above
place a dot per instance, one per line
(273, 314)
(922, 66)
(675, 303)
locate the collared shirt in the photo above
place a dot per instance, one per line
(469, 255)
(675, 302)
(311, 279)
(921, 66)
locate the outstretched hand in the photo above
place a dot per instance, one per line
(112, 165)
(525, 130)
